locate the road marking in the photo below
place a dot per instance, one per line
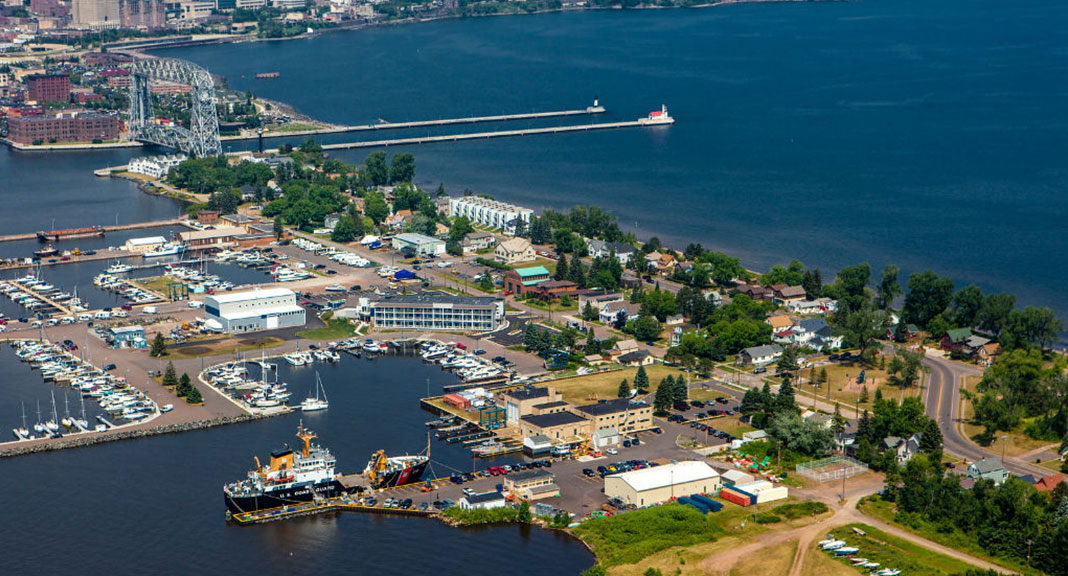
(941, 386)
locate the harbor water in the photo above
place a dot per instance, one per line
(155, 505)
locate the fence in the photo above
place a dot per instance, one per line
(833, 468)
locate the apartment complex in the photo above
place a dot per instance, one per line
(492, 213)
(48, 88)
(438, 312)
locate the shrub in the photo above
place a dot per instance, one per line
(800, 509)
(766, 518)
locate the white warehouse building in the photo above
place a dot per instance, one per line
(252, 311)
(419, 244)
(651, 486)
(490, 213)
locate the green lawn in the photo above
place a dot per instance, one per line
(885, 511)
(627, 538)
(334, 330)
(893, 552)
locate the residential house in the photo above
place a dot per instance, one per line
(911, 331)
(1048, 483)
(818, 306)
(675, 320)
(779, 322)
(618, 313)
(760, 355)
(986, 353)
(678, 331)
(514, 251)
(624, 346)
(815, 333)
(398, 219)
(599, 249)
(597, 299)
(955, 340)
(636, 358)
(989, 468)
(476, 241)
(756, 292)
(904, 448)
(783, 294)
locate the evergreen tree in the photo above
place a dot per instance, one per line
(838, 424)
(159, 347)
(624, 389)
(531, 338)
(561, 268)
(170, 376)
(184, 384)
(524, 512)
(752, 402)
(785, 403)
(864, 427)
(593, 346)
(279, 227)
(878, 395)
(931, 440)
(663, 398)
(767, 399)
(193, 397)
(823, 376)
(485, 283)
(589, 314)
(864, 395)
(577, 274)
(641, 380)
(682, 391)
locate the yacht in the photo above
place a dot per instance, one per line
(118, 268)
(168, 249)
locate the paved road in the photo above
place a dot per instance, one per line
(943, 405)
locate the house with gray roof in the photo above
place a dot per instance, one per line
(989, 468)
(760, 355)
(600, 249)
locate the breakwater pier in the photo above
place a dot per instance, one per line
(383, 125)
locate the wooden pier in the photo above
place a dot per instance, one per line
(427, 123)
(484, 135)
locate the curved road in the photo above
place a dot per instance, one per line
(943, 405)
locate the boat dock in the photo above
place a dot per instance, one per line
(327, 505)
(383, 125)
(60, 309)
(105, 229)
(484, 135)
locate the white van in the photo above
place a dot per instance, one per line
(148, 310)
(36, 324)
(67, 320)
(103, 315)
(195, 304)
(84, 317)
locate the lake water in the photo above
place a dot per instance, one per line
(923, 133)
(156, 506)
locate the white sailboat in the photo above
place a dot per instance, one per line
(23, 433)
(53, 425)
(38, 427)
(311, 404)
(67, 422)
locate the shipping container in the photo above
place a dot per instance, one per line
(736, 497)
(457, 401)
(688, 502)
(709, 503)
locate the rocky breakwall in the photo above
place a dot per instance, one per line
(91, 438)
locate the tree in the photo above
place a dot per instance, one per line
(850, 287)
(184, 384)
(788, 360)
(646, 328)
(641, 380)
(524, 512)
(279, 227)
(624, 389)
(375, 207)
(159, 346)
(460, 228)
(561, 268)
(889, 287)
(193, 396)
(967, 305)
(864, 398)
(785, 402)
(995, 312)
(812, 282)
(589, 314)
(170, 377)
(376, 169)
(862, 327)
(838, 423)
(485, 282)
(577, 274)
(593, 346)
(540, 231)
(664, 397)
(402, 167)
(928, 296)
(345, 231)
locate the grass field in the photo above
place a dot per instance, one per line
(1017, 442)
(820, 564)
(605, 385)
(772, 560)
(842, 380)
(893, 552)
(227, 346)
(885, 511)
(334, 330)
(156, 283)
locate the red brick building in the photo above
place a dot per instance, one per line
(80, 127)
(48, 87)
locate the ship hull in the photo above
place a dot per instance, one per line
(409, 475)
(284, 497)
